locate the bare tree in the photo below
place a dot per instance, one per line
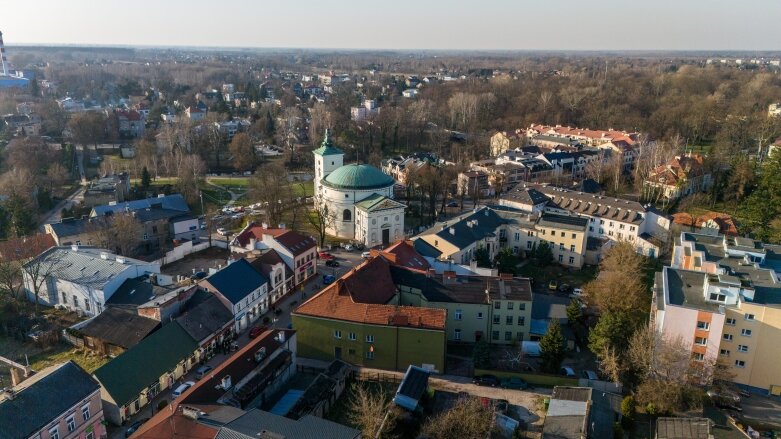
(321, 218)
(467, 418)
(243, 152)
(190, 170)
(369, 409)
(119, 233)
(269, 185)
(37, 271)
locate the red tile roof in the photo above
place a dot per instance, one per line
(609, 135)
(725, 222)
(296, 242)
(403, 254)
(256, 231)
(362, 295)
(678, 168)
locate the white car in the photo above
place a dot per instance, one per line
(577, 293)
(181, 389)
(366, 255)
(222, 231)
(349, 247)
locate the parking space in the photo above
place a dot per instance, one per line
(212, 257)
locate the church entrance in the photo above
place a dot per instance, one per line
(385, 237)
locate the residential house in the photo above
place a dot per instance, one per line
(256, 371)
(80, 278)
(401, 167)
(258, 423)
(609, 219)
(367, 110)
(721, 296)
(131, 123)
(459, 239)
(679, 177)
(58, 402)
(358, 319)
(708, 223)
(206, 319)
(502, 141)
(194, 113)
(474, 184)
(503, 176)
(581, 413)
(155, 296)
(131, 380)
(583, 135)
(242, 289)
(683, 428)
(280, 276)
(410, 93)
(115, 330)
(298, 251)
(108, 189)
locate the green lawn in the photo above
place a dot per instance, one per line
(230, 183)
(303, 189)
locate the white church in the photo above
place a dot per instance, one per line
(358, 197)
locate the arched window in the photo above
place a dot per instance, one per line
(347, 215)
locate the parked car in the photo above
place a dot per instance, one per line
(567, 372)
(452, 203)
(134, 426)
(181, 389)
(256, 331)
(202, 371)
(725, 398)
(326, 256)
(198, 275)
(366, 255)
(349, 247)
(590, 375)
(564, 288)
(486, 380)
(331, 263)
(576, 293)
(553, 285)
(328, 279)
(514, 383)
(223, 231)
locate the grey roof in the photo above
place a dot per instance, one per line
(83, 266)
(526, 195)
(70, 227)
(204, 316)
(462, 289)
(237, 280)
(564, 427)
(137, 291)
(43, 397)
(254, 422)
(119, 327)
(563, 221)
(682, 428)
(685, 288)
(425, 249)
(468, 228)
(414, 383)
(172, 202)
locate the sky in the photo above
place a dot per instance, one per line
(400, 24)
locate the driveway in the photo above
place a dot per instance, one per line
(762, 411)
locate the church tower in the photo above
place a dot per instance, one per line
(327, 159)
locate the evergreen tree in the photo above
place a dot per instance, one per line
(544, 254)
(270, 126)
(146, 179)
(21, 218)
(574, 312)
(552, 348)
(482, 355)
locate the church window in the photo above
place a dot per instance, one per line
(347, 215)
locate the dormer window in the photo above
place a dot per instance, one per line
(718, 297)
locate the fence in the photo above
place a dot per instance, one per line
(181, 251)
(532, 378)
(602, 386)
(75, 341)
(377, 377)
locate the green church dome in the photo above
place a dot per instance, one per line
(357, 176)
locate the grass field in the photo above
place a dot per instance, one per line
(230, 183)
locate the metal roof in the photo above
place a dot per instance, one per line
(358, 176)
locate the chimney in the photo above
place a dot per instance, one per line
(121, 259)
(103, 255)
(264, 225)
(452, 231)
(281, 336)
(75, 247)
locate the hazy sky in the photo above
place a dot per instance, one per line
(400, 24)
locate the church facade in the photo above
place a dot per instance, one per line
(358, 199)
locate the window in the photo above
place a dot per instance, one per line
(561, 258)
(350, 351)
(612, 224)
(346, 195)
(610, 233)
(521, 320)
(561, 246)
(337, 334)
(601, 231)
(730, 321)
(522, 306)
(621, 226)
(571, 259)
(705, 326)
(631, 228)
(573, 236)
(620, 235)
(347, 215)
(528, 244)
(727, 337)
(510, 305)
(562, 234)
(517, 236)
(749, 317)
(86, 304)
(745, 332)
(479, 315)
(351, 336)
(572, 248)
(497, 305)
(497, 319)
(529, 233)
(457, 334)
(724, 352)
(457, 315)
(64, 298)
(740, 363)
(519, 336)
(369, 339)
(75, 301)
(742, 348)
(508, 336)
(369, 355)
(700, 341)
(543, 232)
(509, 320)
(495, 335)
(71, 422)
(718, 297)
(54, 432)
(698, 357)
(145, 237)
(590, 229)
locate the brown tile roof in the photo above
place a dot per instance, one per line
(361, 296)
(256, 231)
(725, 222)
(403, 254)
(296, 242)
(610, 135)
(26, 247)
(678, 168)
(174, 426)
(267, 260)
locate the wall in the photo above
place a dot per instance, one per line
(532, 378)
(94, 423)
(763, 358)
(394, 348)
(181, 251)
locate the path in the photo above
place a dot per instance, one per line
(53, 215)
(232, 194)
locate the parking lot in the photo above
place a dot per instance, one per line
(212, 257)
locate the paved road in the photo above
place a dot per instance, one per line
(53, 215)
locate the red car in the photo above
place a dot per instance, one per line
(256, 331)
(326, 256)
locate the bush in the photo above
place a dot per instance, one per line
(650, 408)
(628, 407)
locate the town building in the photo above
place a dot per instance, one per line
(358, 319)
(194, 113)
(358, 199)
(131, 380)
(130, 123)
(367, 110)
(242, 289)
(108, 189)
(707, 223)
(115, 330)
(721, 296)
(81, 279)
(581, 412)
(279, 274)
(502, 141)
(258, 423)
(297, 251)
(609, 219)
(401, 167)
(679, 177)
(58, 402)
(206, 319)
(475, 184)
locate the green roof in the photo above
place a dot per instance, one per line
(357, 176)
(377, 202)
(126, 376)
(327, 147)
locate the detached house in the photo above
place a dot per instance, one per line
(242, 289)
(681, 176)
(298, 251)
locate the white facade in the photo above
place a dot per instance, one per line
(381, 226)
(251, 307)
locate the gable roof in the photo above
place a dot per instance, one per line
(468, 228)
(256, 421)
(127, 375)
(204, 316)
(376, 202)
(119, 327)
(256, 231)
(265, 263)
(236, 280)
(362, 295)
(403, 253)
(172, 202)
(295, 242)
(43, 397)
